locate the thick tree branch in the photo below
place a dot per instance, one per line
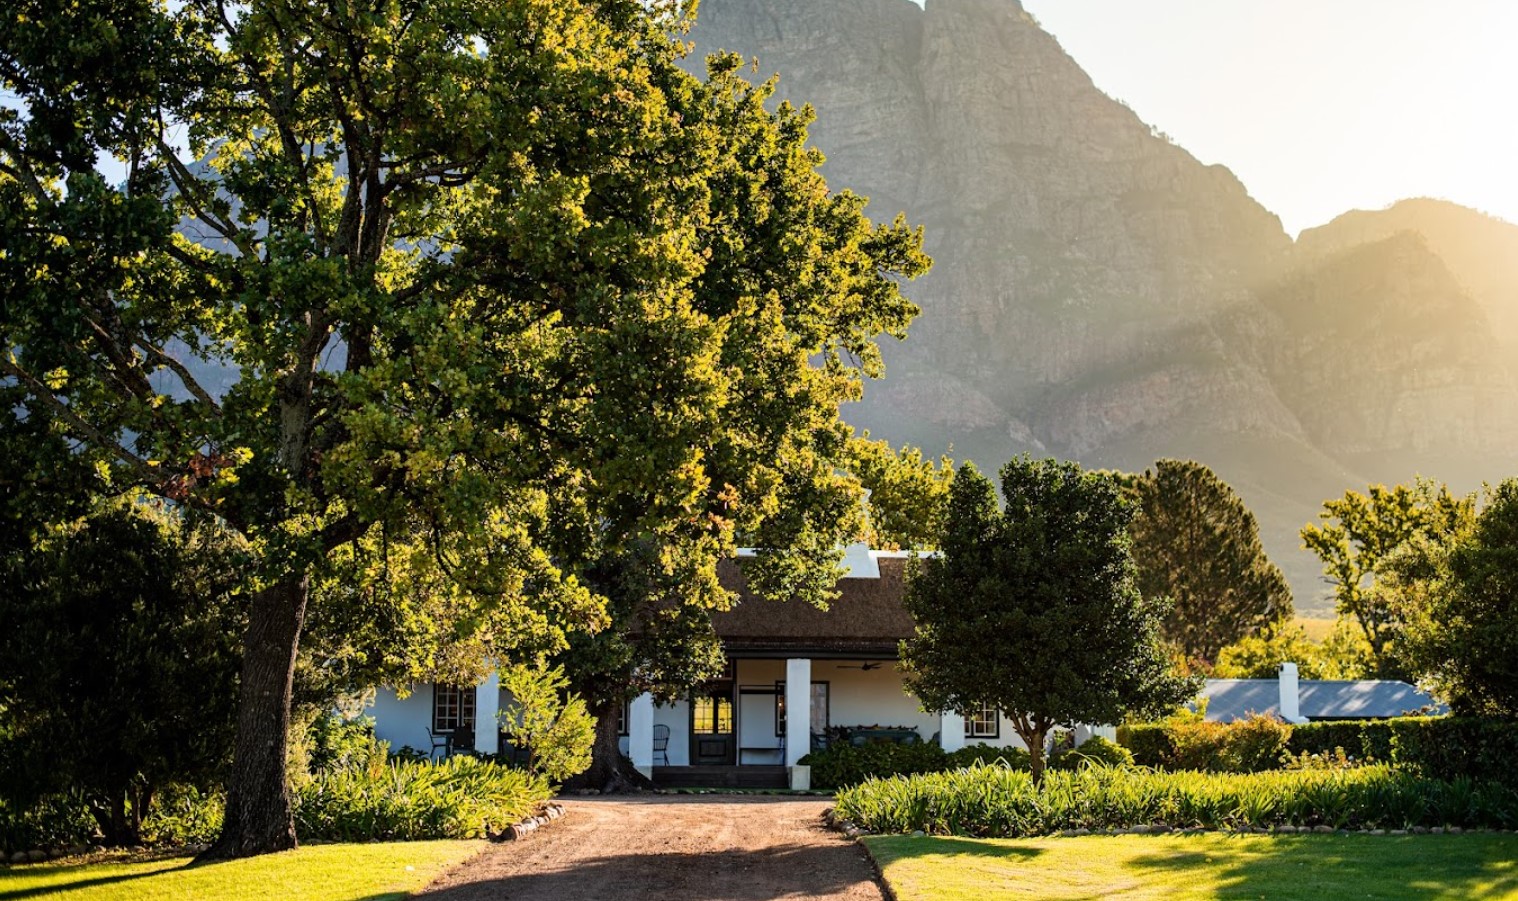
(146, 473)
(191, 189)
(190, 382)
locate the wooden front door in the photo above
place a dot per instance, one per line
(711, 729)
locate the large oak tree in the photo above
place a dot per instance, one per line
(492, 282)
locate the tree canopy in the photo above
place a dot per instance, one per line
(1195, 542)
(118, 662)
(491, 291)
(1464, 642)
(908, 493)
(1033, 607)
(1362, 533)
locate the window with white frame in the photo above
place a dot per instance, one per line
(982, 722)
(452, 707)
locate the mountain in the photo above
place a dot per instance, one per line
(1101, 295)
(1481, 251)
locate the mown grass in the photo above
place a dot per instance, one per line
(1196, 867)
(368, 872)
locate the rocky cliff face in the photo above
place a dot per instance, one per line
(1100, 294)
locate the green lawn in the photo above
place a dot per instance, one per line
(374, 872)
(1209, 865)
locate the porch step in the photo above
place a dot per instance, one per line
(721, 777)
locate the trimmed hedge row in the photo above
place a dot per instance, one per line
(1437, 747)
(997, 801)
(845, 765)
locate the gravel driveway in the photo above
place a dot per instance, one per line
(717, 847)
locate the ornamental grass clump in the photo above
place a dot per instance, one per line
(997, 801)
(461, 797)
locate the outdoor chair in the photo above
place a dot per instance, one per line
(461, 741)
(661, 742)
(440, 742)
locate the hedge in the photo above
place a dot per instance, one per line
(1437, 747)
(844, 765)
(996, 801)
(1246, 746)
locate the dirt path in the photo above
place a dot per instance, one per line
(721, 848)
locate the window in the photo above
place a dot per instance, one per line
(452, 708)
(712, 715)
(622, 718)
(821, 717)
(982, 722)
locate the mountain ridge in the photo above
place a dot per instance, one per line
(1102, 295)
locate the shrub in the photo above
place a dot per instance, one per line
(1254, 744)
(1197, 746)
(183, 815)
(551, 723)
(54, 821)
(336, 743)
(995, 801)
(177, 815)
(1149, 743)
(843, 765)
(1323, 738)
(1095, 751)
(1454, 747)
(1328, 760)
(1179, 743)
(461, 797)
(982, 753)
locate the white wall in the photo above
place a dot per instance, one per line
(403, 721)
(857, 698)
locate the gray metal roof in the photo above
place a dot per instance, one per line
(1232, 699)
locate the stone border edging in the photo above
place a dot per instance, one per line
(518, 831)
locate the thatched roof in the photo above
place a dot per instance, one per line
(868, 618)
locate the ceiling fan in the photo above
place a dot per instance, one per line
(862, 666)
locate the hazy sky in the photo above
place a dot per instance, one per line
(1319, 106)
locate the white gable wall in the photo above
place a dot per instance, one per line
(403, 722)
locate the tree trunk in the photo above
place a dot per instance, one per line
(259, 818)
(1035, 740)
(610, 771)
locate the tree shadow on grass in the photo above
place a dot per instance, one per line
(1358, 866)
(83, 880)
(781, 871)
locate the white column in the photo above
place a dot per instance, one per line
(798, 709)
(951, 731)
(487, 708)
(640, 733)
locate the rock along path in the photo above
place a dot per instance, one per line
(714, 847)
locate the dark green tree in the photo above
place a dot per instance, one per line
(1033, 608)
(1195, 542)
(493, 289)
(118, 663)
(1466, 643)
